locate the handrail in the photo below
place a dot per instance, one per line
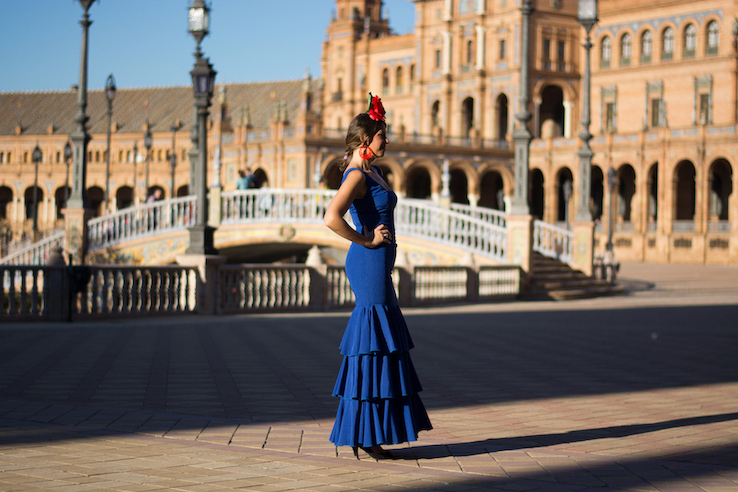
(35, 253)
(491, 215)
(474, 229)
(413, 217)
(553, 241)
(168, 215)
(425, 220)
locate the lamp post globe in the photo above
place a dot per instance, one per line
(109, 95)
(36, 157)
(199, 21)
(67, 159)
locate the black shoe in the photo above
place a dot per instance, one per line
(378, 453)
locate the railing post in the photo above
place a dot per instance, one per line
(583, 247)
(208, 267)
(76, 232)
(56, 288)
(215, 204)
(520, 245)
(404, 285)
(318, 280)
(472, 278)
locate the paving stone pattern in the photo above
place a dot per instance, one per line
(637, 392)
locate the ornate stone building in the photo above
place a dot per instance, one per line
(664, 116)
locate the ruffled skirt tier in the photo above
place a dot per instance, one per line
(377, 383)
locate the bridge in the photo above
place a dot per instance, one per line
(268, 224)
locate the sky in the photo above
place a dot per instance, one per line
(145, 43)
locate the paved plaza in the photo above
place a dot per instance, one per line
(634, 392)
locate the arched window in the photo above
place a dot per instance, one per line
(469, 52)
(606, 52)
(667, 44)
(690, 41)
(385, 81)
(625, 49)
(399, 80)
(412, 76)
(646, 46)
(713, 36)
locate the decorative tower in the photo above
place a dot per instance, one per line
(353, 25)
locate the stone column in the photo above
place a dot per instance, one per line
(520, 241)
(208, 267)
(583, 247)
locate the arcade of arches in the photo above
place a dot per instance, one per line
(485, 186)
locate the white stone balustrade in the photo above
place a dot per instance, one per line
(35, 253)
(553, 241)
(144, 220)
(24, 296)
(113, 291)
(488, 215)
(244, 288)
(98, 292)
(426, 220)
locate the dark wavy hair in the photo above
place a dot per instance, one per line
(360, 132)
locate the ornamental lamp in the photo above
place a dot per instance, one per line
(203, 79)
(36, 156)
(110, 88)
(147, 138)
(199, 24)
(587, 13)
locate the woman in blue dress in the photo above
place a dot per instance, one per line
(377, 384)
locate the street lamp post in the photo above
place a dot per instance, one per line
(148, 141)
(587, 17)
(203, 82)
(135, 175)
(173, 160)
(80, 137)
(522, 135)
(36, 158)
(612, 177)
(109, 95)
(67, 159)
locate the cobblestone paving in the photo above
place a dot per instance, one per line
(637, 392)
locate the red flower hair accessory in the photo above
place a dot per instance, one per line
(376, 110)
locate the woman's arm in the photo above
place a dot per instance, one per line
(350, 189)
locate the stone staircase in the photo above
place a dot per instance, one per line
(555, 280)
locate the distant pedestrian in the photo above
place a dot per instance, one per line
(246, 180)
(154, 197)
(154, 211)
(242, 183)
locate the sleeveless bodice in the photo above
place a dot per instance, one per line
(375, 208)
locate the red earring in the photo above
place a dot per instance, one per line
(365, 152)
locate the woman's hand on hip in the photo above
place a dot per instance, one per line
(381, 234)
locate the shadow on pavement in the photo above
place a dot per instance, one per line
(282, 369)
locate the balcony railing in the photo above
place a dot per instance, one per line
(683, 226)
(719, 226)
(553, 241)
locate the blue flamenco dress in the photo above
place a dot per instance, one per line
(377, 384)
